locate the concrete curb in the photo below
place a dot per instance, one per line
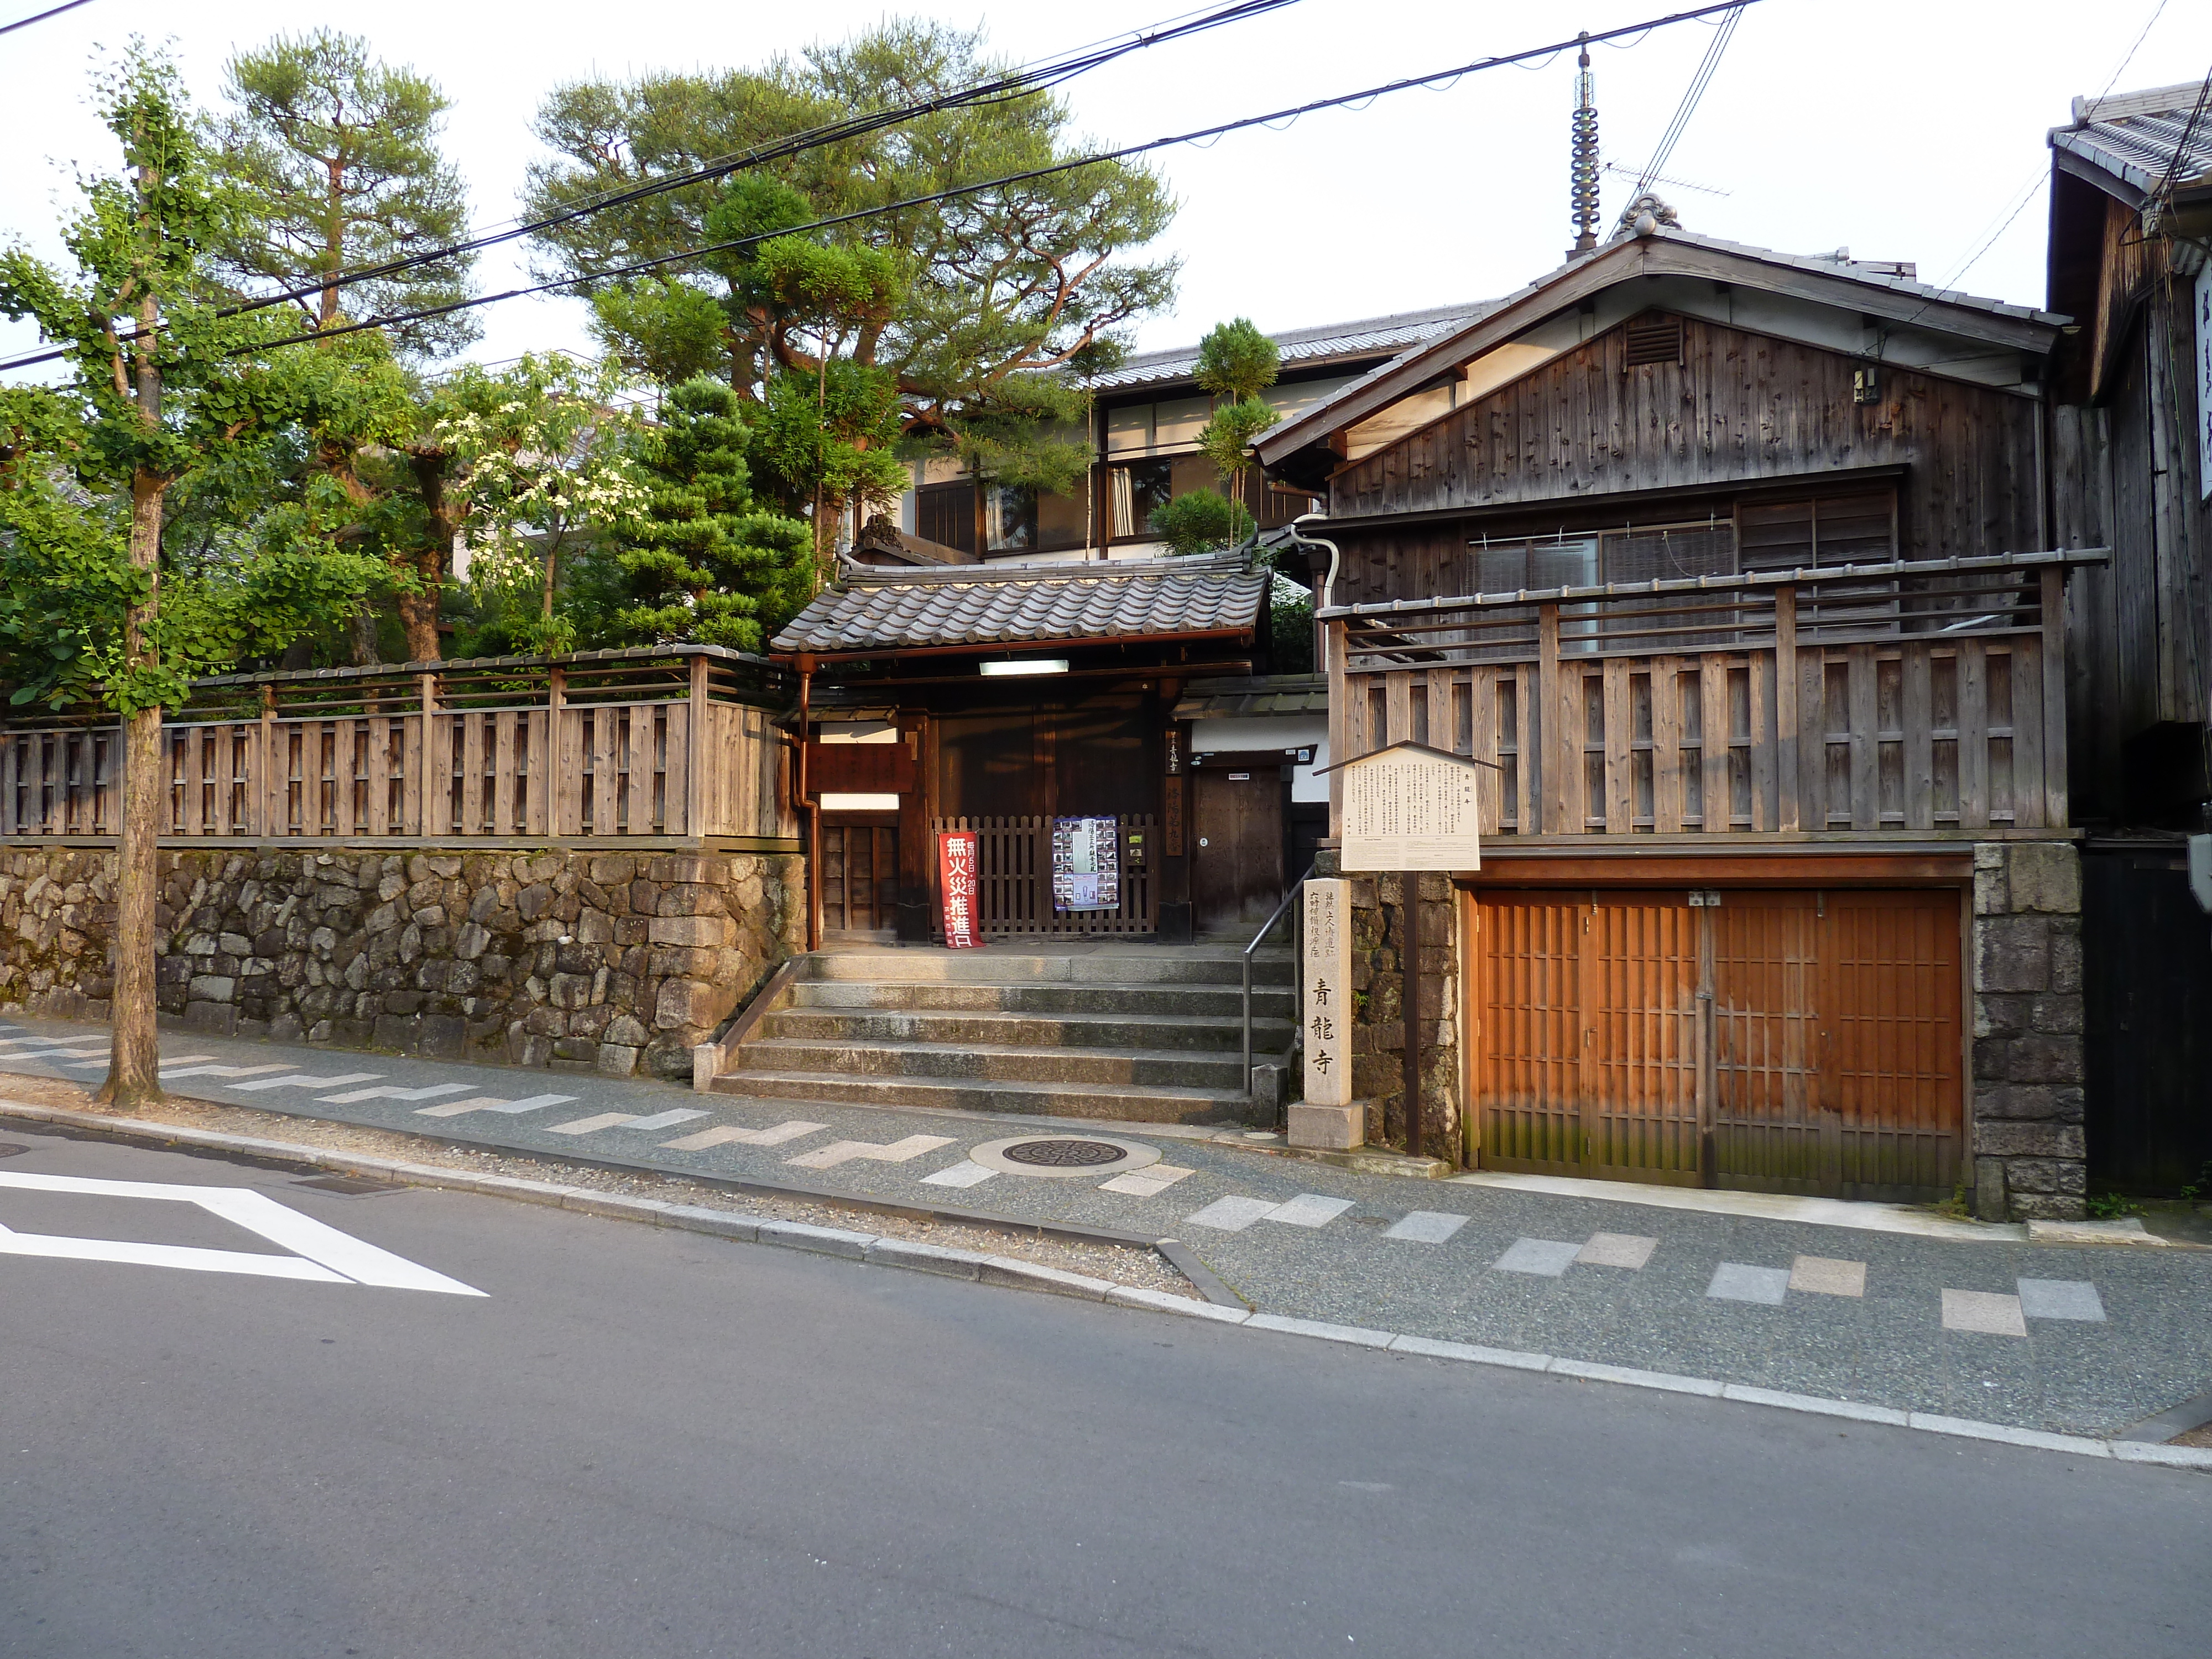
(870, 1249)
(1177, 1255)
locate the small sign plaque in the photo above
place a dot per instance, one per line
(1410, 807)
(1325, 977)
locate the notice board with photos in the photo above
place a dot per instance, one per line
(1086, 864)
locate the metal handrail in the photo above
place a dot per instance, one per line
(1266, 928)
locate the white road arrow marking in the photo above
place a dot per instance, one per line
(322, 1253)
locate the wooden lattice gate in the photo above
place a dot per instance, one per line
(1780, 1042)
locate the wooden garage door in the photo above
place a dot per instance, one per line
(1783, 1041)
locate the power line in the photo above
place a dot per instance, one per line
(40, 17)
(955, 192)
(1025, 81)
(934, 198)
(1698, 82)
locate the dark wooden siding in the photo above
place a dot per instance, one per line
(1743, 409)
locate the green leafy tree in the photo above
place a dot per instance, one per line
(1201, 521)
(163, 391)
(995, 293)
(534, 462)
(335, 156)
(1236, 364)
(702, 561)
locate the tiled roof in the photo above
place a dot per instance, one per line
(1273, 693)
(2133, 136)
(880, 608)
(1297, 345)
(1277, 442)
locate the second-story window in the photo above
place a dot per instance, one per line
(1010, 519)
(1140, 489)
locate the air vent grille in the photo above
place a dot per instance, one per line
(1655, 340)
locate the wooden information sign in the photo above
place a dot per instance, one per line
(1410, 807)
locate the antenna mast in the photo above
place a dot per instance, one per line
(1582, 167)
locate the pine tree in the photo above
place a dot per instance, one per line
(703, 561)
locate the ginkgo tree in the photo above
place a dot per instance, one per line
(164, 393)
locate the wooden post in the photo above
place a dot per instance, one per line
(271, 822)
(1550, 806)
(2055, 806)
(1785, 709)
(435, 783)
(1409, 998)
(695, 747)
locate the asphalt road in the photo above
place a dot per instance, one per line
(639, 1443)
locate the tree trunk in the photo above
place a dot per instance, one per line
(134, 1078)
(418, 615)
(361, 638)
(418, 612)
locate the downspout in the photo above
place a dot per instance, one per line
(805, 804)
(1328, 582)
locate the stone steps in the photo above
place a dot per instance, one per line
(1186, 965)
(1222, 1002)
(1178, 1033)
(1132, 1104)
(994, 1063)
(1147, 1036)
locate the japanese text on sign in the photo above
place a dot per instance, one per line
(957, 866)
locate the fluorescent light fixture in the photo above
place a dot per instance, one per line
(1033, 665)
(832, 803)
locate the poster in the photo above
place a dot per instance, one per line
(1086, 865)
(955, 872)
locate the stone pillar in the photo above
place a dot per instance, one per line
(1378, 1040)
(2026, 1097)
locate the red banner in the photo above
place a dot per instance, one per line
(956, 879)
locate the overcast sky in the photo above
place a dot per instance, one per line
(1901, 129)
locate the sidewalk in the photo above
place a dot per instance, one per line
(1974, 1323)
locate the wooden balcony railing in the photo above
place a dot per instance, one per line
(1902, 696)
(675, 746)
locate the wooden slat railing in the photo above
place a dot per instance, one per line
(675, 746)
(1013, 887)
(1899, 698)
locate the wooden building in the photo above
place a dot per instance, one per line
(999, 699)
(1736, 568)
(2132, 449)
(1142, 434)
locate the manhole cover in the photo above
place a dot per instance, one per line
(10, 1148)
(1066, 1154)
(1064, 1157)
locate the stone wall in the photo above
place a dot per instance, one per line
(2030, 1158)
(1378, 1031)
(572, 960)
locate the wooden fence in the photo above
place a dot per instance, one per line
(678, 746)
(1013, 884)
(1923, 696)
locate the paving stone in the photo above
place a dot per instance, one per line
(2061, 1298)
(1827, 1276)
(1983, 1311)
(1427, 1226)
(1548, 1257)
(1309, 1210)
(1734, 1281)
(1616, 1250)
